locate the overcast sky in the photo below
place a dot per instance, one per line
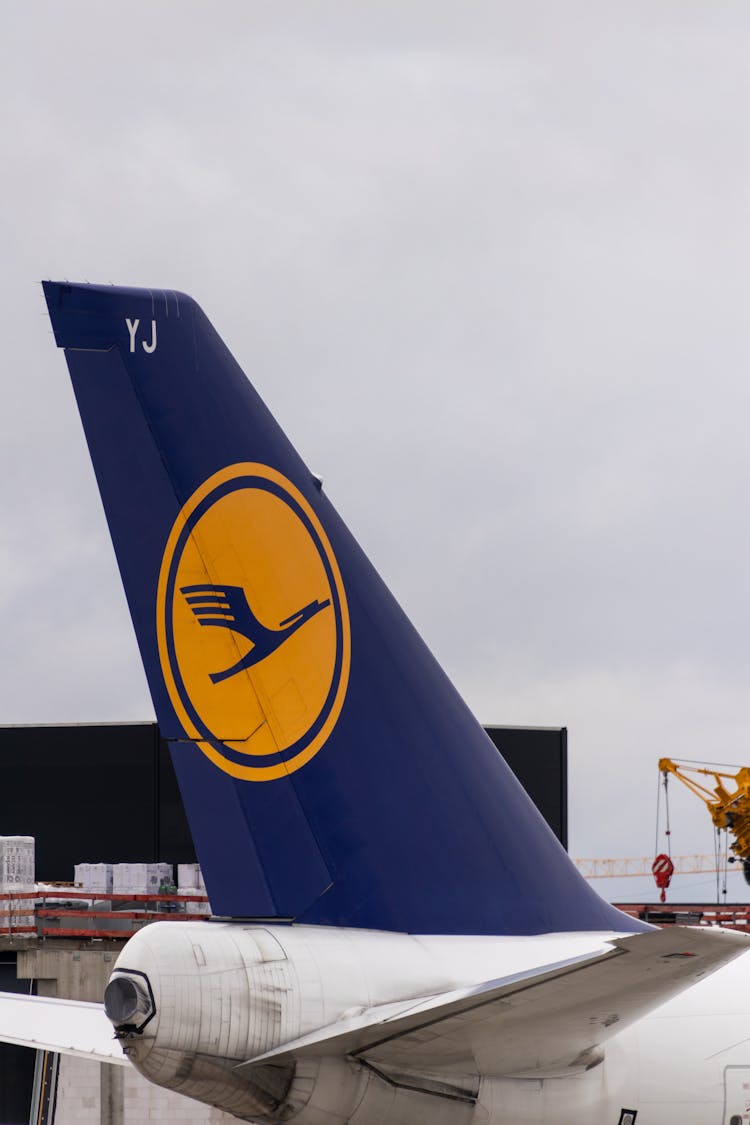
(487, 263)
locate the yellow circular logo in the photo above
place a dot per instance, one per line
(252, 624)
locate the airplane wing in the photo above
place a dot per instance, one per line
(70, 1027)
(544, 1023)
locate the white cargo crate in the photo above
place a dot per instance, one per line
(100, 877)
(95, 877)
(188, 876)
(141, 878)
(122, 878)
(17, 863)
(166, 874)
(17, 873)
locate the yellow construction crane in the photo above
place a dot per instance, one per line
(728, 804)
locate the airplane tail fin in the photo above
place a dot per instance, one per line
(330, 772)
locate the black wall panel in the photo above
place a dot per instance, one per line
(538, 757)
(108, 792)
(92, 793)
(16, 1063)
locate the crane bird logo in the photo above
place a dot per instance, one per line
(253, 624)
(228, 608)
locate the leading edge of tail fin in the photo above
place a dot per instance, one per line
(330, 772)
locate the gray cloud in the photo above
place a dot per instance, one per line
(487, 265)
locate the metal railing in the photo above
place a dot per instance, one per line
(682, 913)
(39, 912)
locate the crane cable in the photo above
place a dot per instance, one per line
(664, 779)
(721, 856)
(662, 868)
(668, 830)
(722, 864)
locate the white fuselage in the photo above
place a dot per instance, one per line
(225, 993)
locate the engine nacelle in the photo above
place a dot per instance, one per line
(192, 1002)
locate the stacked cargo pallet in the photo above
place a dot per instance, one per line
(190, 883)
(141, 878)
(17, 871)
(94, 877)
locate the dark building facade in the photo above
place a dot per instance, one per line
(108, 792)
(538, 757)
(92, 793)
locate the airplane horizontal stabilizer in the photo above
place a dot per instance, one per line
(544, 1023)
(69, 1027)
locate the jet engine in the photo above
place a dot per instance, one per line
(198, 1005)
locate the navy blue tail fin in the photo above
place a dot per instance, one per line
(330, 772)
